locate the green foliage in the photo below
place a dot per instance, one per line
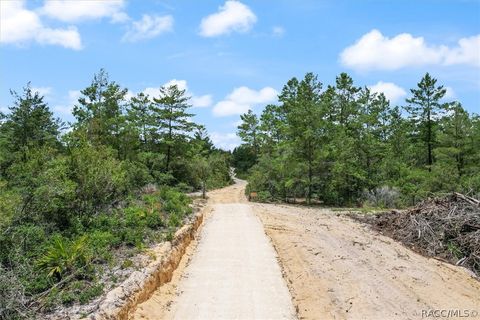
(63, 256)
(346, 145)
(248, 130)
(101, 179)
(102, 188)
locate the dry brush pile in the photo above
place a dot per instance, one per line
(446, 228)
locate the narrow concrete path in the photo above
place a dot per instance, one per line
(234, 273)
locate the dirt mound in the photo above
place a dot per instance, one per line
(446, 228)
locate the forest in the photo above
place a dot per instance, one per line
(343, 145)
(78, 200)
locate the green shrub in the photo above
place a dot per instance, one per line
(135, 217)
(101, 243)
(175, 201)
(169, 236)
(132, 237)
(63, 256)
(90, 293)
(154, 220)
(264, 196)
(101, 179)
(174, 221)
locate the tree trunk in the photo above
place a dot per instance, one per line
(169, 144)
(429, 141)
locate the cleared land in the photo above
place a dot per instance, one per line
(335, 268)
(233, 273)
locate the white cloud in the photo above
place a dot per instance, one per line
(278, 31)
(76, 11)
(148, 27)
(243, 98)
(391, 91)
(374, 51)
(20, 26)
(467, 52)
(196, 101)
(181, 84)
(43, 91)
(73, 96)
(450, 94)
(226, 141)
(201, 101)
(69, 101)
(68, 38)
(152, 92)
(233, 16)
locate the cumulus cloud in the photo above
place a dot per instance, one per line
(196, 101)
(233, 16)
(43, 91)
(69, 101)
(148, 27)
(75, 11)
(201, 101)
(391, 91)
(374, 51)
(73, 96)
(450, 93)
(225, 141)
(243, 98)
(181, 84)
(19, 25)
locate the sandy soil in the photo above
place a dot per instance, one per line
(337, 268)
(232, 274)
(334, 267)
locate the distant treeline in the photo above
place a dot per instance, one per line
(344, 145)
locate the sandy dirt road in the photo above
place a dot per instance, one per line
(232, 274)
(334, 267)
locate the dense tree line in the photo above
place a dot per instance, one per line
(70, 194)
(344, 145)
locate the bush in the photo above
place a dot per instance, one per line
(64, 256)
(101, 179)
(174, 221)
(175, 201)
(90, 293)
(384, 197)
(101, 243)
(264, 196)
(9, 202)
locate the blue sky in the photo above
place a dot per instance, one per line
(235, 55)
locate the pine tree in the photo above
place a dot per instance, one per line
(29, 124)
(425, 108)
(171, 119)
(248, 130)
(100, 111)
(303, 115)
(139, 114)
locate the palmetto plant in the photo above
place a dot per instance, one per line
(63, 256)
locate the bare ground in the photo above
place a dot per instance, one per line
(233, 273)
(335, 268)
